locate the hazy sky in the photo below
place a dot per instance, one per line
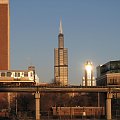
(91, 32)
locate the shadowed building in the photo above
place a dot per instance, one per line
(61, 60)
(4, 35)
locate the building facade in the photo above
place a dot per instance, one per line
(4, 35)
(108, 73)
(61, 60)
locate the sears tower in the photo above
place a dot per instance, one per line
(61, 60)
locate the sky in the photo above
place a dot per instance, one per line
(91, 32)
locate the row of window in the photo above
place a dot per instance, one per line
(14, 74)
(114, 81)
(112, 66)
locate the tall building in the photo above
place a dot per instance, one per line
(61, 60)
(4, 43)
(4, 35)
(88, 79)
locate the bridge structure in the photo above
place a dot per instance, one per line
(64, 89)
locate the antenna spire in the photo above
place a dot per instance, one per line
(60, 29)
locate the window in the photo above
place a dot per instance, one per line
(31, 74)
(3, 74)
(25, 74)
(18, 74)
(15, 74)
(9, 74)
(115, 81)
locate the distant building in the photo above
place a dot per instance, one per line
(61, 61)
(88, 79)
(4, 35)
(108, 73)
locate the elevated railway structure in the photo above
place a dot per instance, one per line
(67, 89)
(64, 89)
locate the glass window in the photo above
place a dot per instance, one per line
(3, 74)
(111, 81)
(31, 74)
(9, 74)
(15, 74)
(115, 81)
(18, 74)
(25, 74)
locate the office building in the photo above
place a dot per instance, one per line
(4, 35)
(88, 79)
(108, 73)
(61, 60)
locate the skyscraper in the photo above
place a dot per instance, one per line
(4, 35)
(61, 60)
(88, 79)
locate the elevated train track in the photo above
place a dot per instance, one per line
(61, 89)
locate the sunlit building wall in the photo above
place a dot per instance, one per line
(88, 79)
(61, 61)
(4, 35)
(5, 43)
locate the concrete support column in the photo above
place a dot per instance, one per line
(108, 106)
(37, 98)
